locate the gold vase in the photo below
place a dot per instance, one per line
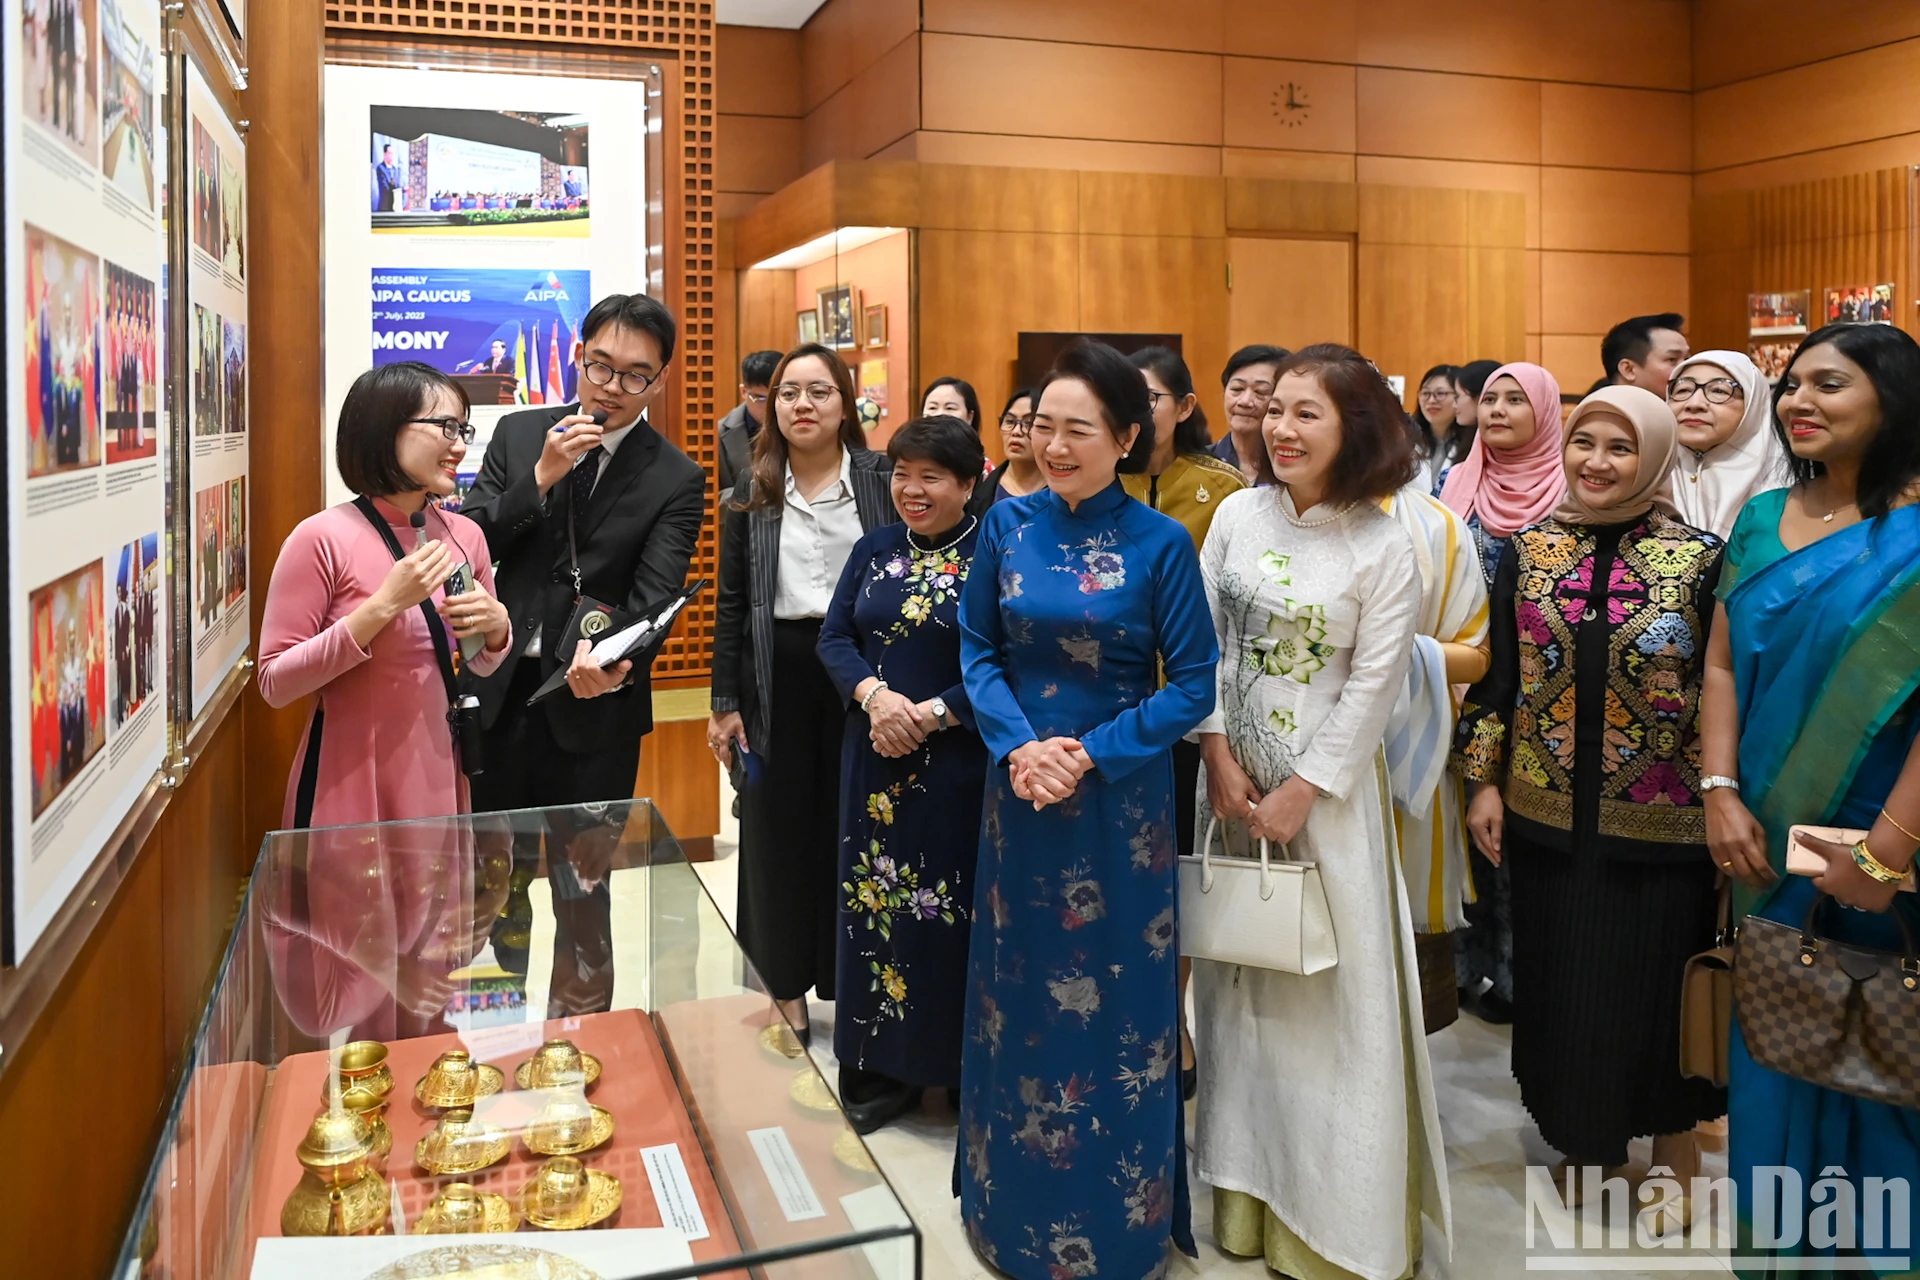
(340, 1194)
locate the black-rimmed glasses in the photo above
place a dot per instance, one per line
(601, 375)
(1013, 424)
(1717, 390)
(450, 427)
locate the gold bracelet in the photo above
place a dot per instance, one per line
(1897, 827)
(1864, 859)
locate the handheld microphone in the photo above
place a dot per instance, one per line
(419, 522)
(600, 418)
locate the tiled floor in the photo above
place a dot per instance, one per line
(1490, 1142)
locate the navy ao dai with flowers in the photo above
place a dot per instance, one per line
(1072, 1160)
(908, 826)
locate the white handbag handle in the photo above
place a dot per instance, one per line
(1206, 860)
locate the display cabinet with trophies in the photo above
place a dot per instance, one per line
(502, 1045)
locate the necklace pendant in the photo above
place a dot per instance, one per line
(1201, 494)
(1828, 518)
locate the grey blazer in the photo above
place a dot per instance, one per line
(743, 609)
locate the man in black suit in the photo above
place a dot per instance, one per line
(739, 427)
(635, 504)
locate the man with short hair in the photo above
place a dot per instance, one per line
(387, 182)
(1248, 383)
(634, 504)
(740, 426)
(1644, 351)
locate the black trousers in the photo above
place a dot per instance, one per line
(527, 769)
(790, 825)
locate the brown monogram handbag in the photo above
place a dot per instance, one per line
(1706, 1003)
(1842, 1016)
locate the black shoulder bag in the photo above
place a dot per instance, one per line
(463, 711)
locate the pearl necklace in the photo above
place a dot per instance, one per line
(1298, 523)
(934, 551)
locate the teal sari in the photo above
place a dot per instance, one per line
(1826, 658)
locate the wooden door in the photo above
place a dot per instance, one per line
(1289, 292)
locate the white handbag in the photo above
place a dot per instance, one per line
(1266, 914)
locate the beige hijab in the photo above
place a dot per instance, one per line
(1658, 434)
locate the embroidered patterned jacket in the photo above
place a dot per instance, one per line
(1589, 716)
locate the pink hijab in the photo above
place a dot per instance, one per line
(1510, 489)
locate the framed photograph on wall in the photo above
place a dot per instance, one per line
(1859, 304)
(875, 327)
(807, 326)
(1778, 315)
(838, 305)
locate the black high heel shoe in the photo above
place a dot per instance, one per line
(1189, 1082)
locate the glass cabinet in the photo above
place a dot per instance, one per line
(502, 1045)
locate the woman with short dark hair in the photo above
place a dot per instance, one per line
(813, 490)
(911, 771)
(342, 616)
(1315, 598)
(1072, 1160)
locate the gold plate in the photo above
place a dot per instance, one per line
(523, 1074)
(811, 1092)
(603, 1201)
(851, 1152)
(542, 1141)
(489, 1081)
(495, 1214)
(485, 1262)
(779, 1038)
(487, 1147)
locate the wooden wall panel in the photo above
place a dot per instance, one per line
(678, 773)
(1289, 166)
(1619, 211)
(1311, 30)
(758, 154)
(1610, 128)
(1867, 95)
(1422, 305)
(1147, 284)
(767, 314)
(1591, 292)
(935, 147)
(1197, 27)
(1289, 292)
(844, 38)
(991, 85)
(208, 857)
(1642, 43)
(965, 325)
(877, 107)
(1151, 204)
(81, 1097)
(1420, 113)
(757, 72)
(1741, 39)
(1574, 359)
(1454, 175)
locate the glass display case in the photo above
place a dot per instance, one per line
(504, 1045)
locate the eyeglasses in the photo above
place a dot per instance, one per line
(1013, 424)
(1154, 398)
(452, 428)
(601, 375)
(756, 399)
(1717, 390)
(815, 392)
(1437, 393)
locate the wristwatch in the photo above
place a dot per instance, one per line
(939, 708)
(1715, 781)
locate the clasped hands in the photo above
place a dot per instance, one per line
(1046, 772)
(897, 724)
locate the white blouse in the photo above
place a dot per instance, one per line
(815, 540)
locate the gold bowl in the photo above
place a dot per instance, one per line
(461, 1210)
(362, 1063)
(456, 1080)
(565, 1195)
(337, 1147)
(779, 1038)
(810, 1091)
(567, 1126)
(356, 1207)
(459, 1145)
(559, 1064)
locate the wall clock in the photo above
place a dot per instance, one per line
(1291, 107)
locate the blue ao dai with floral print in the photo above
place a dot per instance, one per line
(1072, 1160)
